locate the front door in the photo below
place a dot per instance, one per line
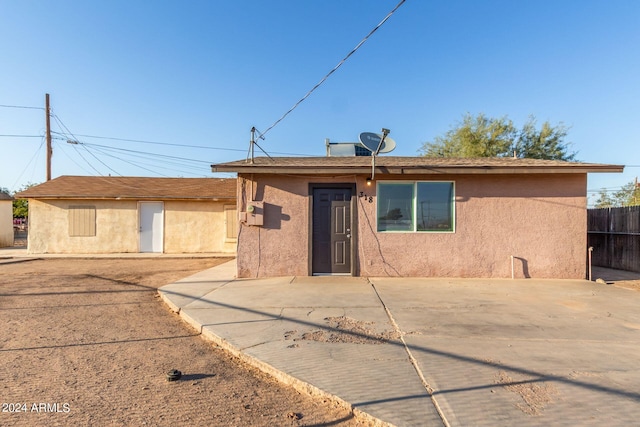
(331, 235)
(151, 226)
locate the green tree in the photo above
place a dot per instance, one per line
(483, 136)
(21, 206)
(628, 195)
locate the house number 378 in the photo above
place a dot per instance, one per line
(367, 198)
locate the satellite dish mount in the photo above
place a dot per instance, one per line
(377, 143)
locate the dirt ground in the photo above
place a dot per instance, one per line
(88, 342)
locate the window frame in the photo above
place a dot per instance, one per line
(414, 206)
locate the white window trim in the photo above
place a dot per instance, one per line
(415, 207)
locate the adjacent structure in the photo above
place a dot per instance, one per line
(6, 220)
(87, 214)
(412, 216)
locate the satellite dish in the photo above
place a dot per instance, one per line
(371, 141)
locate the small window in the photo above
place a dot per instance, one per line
(416, 206)
(82, 221)
(231, 222)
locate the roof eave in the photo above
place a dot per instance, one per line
(135, 198)
(400, 170)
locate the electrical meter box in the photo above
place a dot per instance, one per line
(254, 214)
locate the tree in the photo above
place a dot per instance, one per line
(21, 206)
(483, 136)
(628, 195)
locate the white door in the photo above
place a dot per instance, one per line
(151, 226)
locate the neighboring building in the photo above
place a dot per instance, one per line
(418, 216)
(6, 220)
(88, 214)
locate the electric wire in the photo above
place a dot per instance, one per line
(21, 106)
(139, 166)
(127, 150)
(62, 125)
(198, 170)
(63, 150)
(203, 147)
(333, 70)
(96, 157)
(159, 143)
(37, 152)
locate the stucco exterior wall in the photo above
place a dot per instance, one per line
(540, 220)
(189, 227)
(195, 227)
(6, 223)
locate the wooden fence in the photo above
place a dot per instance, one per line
(614, 234)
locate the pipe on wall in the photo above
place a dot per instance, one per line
(512, 268)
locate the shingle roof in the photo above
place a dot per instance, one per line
(5, 196)
(409, 165)
(108, 187)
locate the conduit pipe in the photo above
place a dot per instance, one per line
(512, 268)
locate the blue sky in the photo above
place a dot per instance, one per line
(204, 72)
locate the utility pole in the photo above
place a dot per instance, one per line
(48, 121)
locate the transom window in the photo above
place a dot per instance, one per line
(416, 206)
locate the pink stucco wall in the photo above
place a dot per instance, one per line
(540, 220)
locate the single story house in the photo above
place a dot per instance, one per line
(412, 216)
(104, 214)
(6, 220)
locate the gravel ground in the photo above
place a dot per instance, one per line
(88, 342)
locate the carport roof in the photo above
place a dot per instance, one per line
(137, 188)
(409, 165)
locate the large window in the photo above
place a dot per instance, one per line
(416, 206)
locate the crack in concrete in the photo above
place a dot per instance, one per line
(413, 360)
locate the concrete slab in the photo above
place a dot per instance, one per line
(522, 352)
(418, 351)
(185, 291)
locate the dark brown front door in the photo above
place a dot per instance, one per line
(331, 246)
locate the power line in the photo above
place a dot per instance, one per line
(21, 106)
(62, 125)
(88, 147)
(203, 147)
(137, 165)
(96, 157)
(159, 143)
(146, 157)
(334, 69)
(106, 147)
(73, 160)
(31, 160)
(21, 136)
(198, 171)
